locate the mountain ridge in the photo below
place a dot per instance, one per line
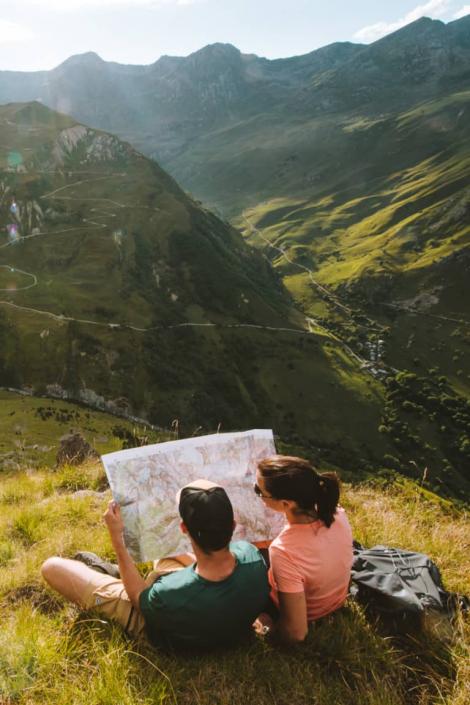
(117, 286)
(352, 181)
(169, 109)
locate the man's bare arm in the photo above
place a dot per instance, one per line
(133, 581)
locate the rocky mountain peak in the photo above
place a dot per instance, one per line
(420, 31)
(217, 50)
(215, 57)
(421, 51)
(87, 59)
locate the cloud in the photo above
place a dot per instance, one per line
(434, 9)
(73, 5)
(10, 32)
(465, 10)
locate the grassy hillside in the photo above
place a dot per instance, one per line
(382, 264)
(31, 428)
(52, 653)
(398, 256)
(111, 237)
(397, 226)
(398, 252)
(118, 286)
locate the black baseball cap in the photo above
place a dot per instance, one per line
(207, 512)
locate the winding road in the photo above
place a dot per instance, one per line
(60, 318)
(332, 298)
(19, 271)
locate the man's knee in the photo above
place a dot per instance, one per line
(51, 568)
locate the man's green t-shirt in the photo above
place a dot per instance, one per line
(184, 609)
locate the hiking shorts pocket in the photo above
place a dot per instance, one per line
(108, 595)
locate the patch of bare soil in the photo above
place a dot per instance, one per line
(35, 595)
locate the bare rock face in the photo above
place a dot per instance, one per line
(74, 449)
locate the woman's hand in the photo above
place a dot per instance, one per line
(113, 520)
(263, 624)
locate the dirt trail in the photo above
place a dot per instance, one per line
(103, 324)
(19, 271)
(332, 298)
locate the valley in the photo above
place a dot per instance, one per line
(126, 309)
(340, 319)
(217, 241)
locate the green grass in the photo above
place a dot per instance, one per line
(50, 652)
(31, 428)
(395, 230)
(434, 107)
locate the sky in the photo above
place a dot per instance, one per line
(40, 34)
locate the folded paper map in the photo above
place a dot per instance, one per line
(144, 481)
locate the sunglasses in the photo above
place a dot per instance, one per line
(259, 492)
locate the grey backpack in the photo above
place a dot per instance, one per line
(404, 589)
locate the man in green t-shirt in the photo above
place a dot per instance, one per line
(208, 600)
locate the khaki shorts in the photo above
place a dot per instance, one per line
(108, 595)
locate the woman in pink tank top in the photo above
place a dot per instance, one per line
(312, 556)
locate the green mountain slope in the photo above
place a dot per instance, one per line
(391, 246)
(383, 262)
(118, 288)
(120, 291)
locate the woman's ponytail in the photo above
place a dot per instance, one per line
(289, 477)
(327, 497)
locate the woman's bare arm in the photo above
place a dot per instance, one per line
(292, 625)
